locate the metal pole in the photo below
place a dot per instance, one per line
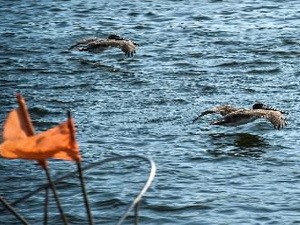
(13, 211)
(83, 189)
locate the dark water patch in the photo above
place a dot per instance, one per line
(236, 153)
(287, 54)
(246, 63)
(77, 86)
(243, 145)
(110, 203)
(27, 70)
(290, 54)
(201, 17)
(42, 110)
(227, 42)
(143, 27)
(133, 14)
(250, 8)
(174, 207)
(245, 140)
(289, 41)
(264, 71)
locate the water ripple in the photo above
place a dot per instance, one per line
(190, 57)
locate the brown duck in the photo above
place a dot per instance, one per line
(97, 45)
(239, 116)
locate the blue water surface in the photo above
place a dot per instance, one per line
(192, 55)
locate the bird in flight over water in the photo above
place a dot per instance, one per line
(238, 116)
(96, 45)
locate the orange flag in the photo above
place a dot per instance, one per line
(18, 123)
(13, 127)
(21, 143)
(58, 143)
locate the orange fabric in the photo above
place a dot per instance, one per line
(18, 124)
(14, 127)
(57, 143)
(67, 133)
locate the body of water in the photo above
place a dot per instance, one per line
(192, 55)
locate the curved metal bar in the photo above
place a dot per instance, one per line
(142, 192)
(92, 165)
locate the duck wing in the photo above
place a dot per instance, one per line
(96, 45)
(245, 116)
(236, 118)
(84, 42)
(222, 109)
(275, 117)
(240, 117)
(127, 46)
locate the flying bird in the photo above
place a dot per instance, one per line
(239, 116)
(96, 45)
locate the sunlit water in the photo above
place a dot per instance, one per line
(192, 55)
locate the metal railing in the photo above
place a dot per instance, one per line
(134, 205)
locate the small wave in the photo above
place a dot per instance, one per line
(201, 17)
(245, 63)
(264, 71)
(114, 202)
(174, 207)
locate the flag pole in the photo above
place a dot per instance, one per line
(83, 189)
(46, 206)
(43, 163)
(13, 211)
(52, 186)
(79, 168)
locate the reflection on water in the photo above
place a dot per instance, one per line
(245, 140)
(238, 144)
(96, 64)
